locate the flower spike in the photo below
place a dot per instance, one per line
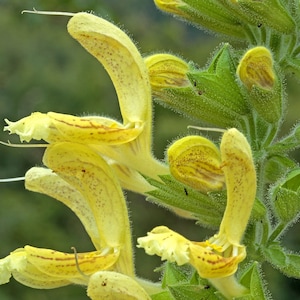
(133, 138)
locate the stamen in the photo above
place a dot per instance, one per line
(206, 128)
(220, 242)
(77, 264)
(24, 145)
(48, 13)
(13, 179)
(235, 251)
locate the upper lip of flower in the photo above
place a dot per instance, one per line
(127, 144)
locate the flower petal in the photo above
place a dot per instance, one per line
(44, 181)
(70, 265)
(240, 175)
(212, 265)
(54, 127)
(130, 179)
(167, 244)
(90, 175)
(123, 62)
(16, 265)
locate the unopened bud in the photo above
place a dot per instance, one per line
(212, 15)
(166, 71)
(257, 73)
(269, 13)
(196, 162)
(256, 69)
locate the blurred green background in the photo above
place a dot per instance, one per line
(43, 69)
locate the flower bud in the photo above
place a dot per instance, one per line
(269, 13)
(166, 71)
(210, 95)
(257, 73)
(212, 15)
(256, 69)
(196, 162)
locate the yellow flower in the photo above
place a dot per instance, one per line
(127, 145)
(84, 182)
(217, 258)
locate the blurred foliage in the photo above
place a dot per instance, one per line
(43, 69)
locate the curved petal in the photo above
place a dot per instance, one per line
(16, 265)
(121, 59)
(210, 264)
(55, 127)
(46, 268)
(240, 176)
(44, 181)
(115, 286)
(130, 179)
(90, 175)
(70, 266)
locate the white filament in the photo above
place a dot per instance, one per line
(206, 128)
(12, 179)
(49, 13)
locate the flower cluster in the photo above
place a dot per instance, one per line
(240, 186)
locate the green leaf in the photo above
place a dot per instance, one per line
(208, 209)
(286, 204)
(277, 166)
(274, 254)
(292, 268)
(287, 263)
(183, 282)
(218, 83)
(258, 211)
(252, 279)
(165, 295)
(271, 13)
(292, 181)
(288, 143)
(286, 197)
(174, 274)
(213, 16)
(195, 292)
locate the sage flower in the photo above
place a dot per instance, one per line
(127, 145)
(84, 182)
(217, 258)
